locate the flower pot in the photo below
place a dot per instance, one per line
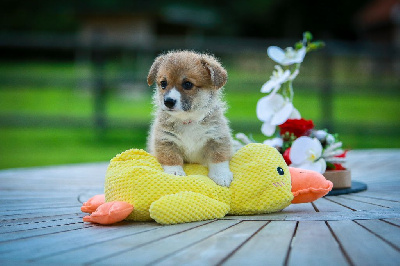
(339, 178)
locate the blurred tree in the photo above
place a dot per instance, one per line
(289, 18)
(38, 15)
(251, 18)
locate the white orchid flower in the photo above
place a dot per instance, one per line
(306, 153)
(294, 74)
(324, 136)
(243, 138)
(320, 134)
(333, 148)
(276, 80)
(275, 142)
(332, 151)
(274, 110)
(240, 141)
(288, 56)
(330, 139)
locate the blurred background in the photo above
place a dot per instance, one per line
(73, 73)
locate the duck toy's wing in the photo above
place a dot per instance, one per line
(187, 206)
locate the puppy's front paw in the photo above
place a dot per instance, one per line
(174, 170)
(220, 173)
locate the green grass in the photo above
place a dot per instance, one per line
(367, 109)
(43, 101)
(363, 120)
(24, 147)
(69, 102)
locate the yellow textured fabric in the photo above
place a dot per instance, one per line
(261, 184)
(257, 186)
(196, 207)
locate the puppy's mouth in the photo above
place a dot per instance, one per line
(170, 109)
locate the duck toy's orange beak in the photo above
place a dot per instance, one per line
(308, 186)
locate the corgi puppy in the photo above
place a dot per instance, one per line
(189, 124)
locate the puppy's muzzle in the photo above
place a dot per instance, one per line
(169, 102)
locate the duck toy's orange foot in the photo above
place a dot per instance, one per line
(106, 213)
(93, 203)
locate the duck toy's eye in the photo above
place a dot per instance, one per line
(280, 171)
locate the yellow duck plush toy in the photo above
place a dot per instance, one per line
(137, 189)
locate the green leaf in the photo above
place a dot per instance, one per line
(319, 44)
(307, 35)
(298, 45)
(330, 166)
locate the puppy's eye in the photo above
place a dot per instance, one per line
(163, 84)
(187, 85)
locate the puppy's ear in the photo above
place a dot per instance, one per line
(217, 72)
(151, 77)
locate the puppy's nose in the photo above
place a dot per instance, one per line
(169, 102)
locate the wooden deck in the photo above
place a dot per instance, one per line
(41, 223)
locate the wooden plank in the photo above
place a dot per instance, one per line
(338, 216)
(374, 201)
(383, 213)
(101, 250)
(85, 196)
(12, 215)
(93, 171)
(354, 204)
(40, 201)
(48, 242)
(363, 247)
(216, 248)
(39, 223)
(299, 208)
(268, 247)
(314, 244)
(49, 245)
(388, 186)
(42, 231)
(395, 221)
(34, 204)
(385, 230)
(275, 216)
(387, 195)
(43, 219)
(156, 251)
(40, 216)
(373, 163)
(26, 193)
(324, 205)
(293, 209)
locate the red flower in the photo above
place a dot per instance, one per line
(334, 166)
(286, 156)
(338, 166)
(343, 155)
(298, 127)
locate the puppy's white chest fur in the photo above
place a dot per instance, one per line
(193, 138)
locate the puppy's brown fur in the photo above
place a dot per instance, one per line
(189, 124)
